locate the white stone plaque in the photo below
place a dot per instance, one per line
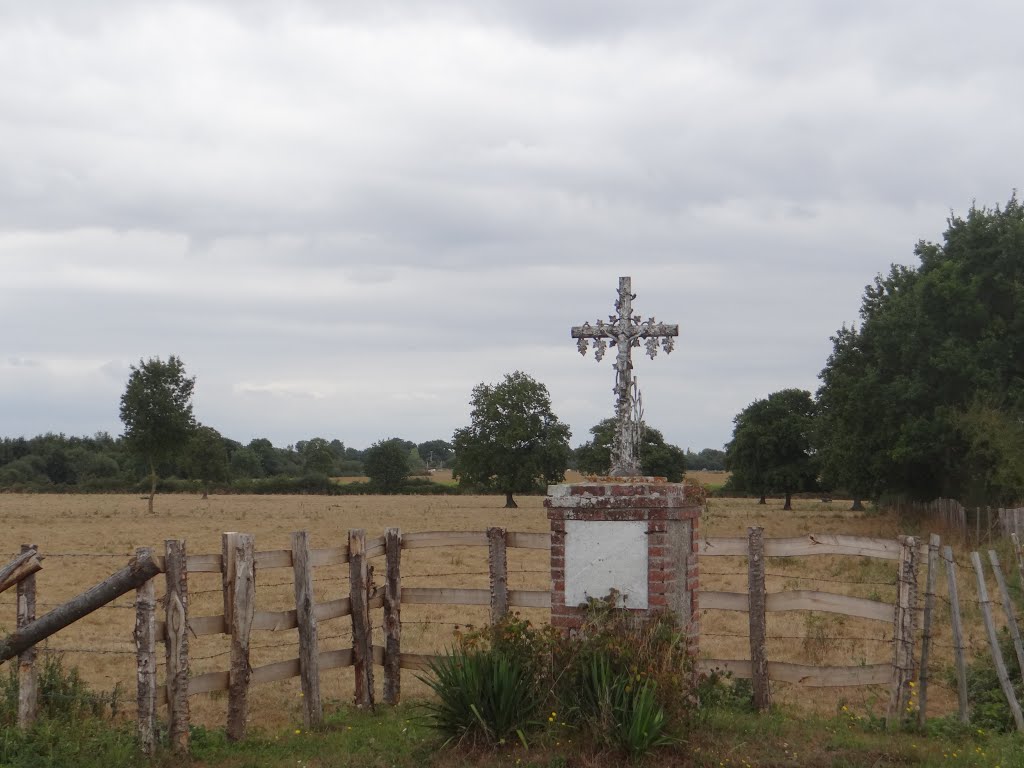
(604, 555)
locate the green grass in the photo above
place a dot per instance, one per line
(400, 738)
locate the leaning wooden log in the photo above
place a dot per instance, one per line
(139, 570)
(23, 566)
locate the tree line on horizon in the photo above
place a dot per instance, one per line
(184, 455)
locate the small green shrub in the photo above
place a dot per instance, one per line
(483, 697)
(623, 680)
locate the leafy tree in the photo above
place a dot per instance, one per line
(156, 409)
(926, 397)
(245, 462)
(416, 463)
(657, 458)
(770, 450)
(387, 463)
(436, 453)
(709, 459)
(206, 457)
(318, 457)
(513, 439)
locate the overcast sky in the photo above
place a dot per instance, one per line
(344, 215)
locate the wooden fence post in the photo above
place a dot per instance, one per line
(993, 641)
(362, 637)
(497, 565)
(958, 634)
(926, 639)
(240, 582)
(904, 624)
(1018, 557)
(309, 656)
(28, 688)
(758, 622)
(145, 659)
(176, 641)
(1011, 614)
(393, 617)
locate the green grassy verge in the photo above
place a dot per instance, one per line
(398, 738)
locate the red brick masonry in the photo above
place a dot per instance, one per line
(673, 575)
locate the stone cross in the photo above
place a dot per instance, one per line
(624, 331)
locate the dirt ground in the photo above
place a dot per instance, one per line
(87, 537)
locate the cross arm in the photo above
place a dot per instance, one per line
(588, 331)
(649, 329)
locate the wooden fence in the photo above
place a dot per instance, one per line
(239, 561)
(973, 524)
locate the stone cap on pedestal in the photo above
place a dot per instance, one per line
(613, 499)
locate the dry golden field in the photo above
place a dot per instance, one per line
(87, 537)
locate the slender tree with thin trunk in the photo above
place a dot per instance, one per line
(156, 409)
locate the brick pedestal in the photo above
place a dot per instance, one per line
(648, 552)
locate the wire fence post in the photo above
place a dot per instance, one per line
(145, 659)
(28, 688)
(176, 641)
(241, 592)
(904, 624)
(926, 637)
(497, 566)
(305, 616)
(362, 639)
(393, 617)
(957, 626)
(758, 621)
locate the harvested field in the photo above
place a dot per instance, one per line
(87, 537)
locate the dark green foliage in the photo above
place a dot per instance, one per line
(657, 457)
(926, 397)
(771, 449)
(709, 459)
(206, 456)
(483, 697)
(386, 463)
(436, 453)
(513, 440)
(318, 458)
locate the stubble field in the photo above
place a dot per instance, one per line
(87, 537)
